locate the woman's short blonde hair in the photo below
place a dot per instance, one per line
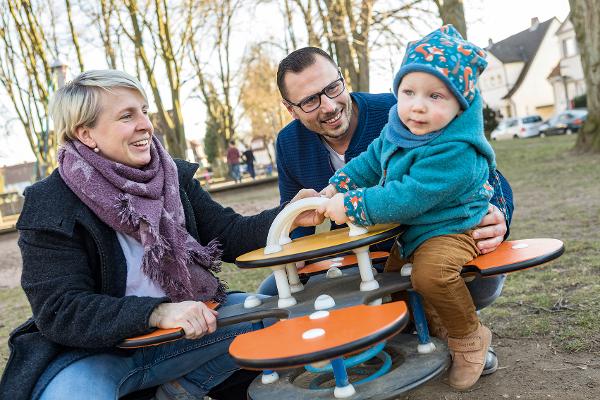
(78, 102)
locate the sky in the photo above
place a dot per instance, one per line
(500, 19)
(485, 19)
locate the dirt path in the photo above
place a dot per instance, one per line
(10, 261)
(529, 370)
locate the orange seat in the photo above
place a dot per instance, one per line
(515, 255)
(347, 261)
(282, 345)
(159, 336)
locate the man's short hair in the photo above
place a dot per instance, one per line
(297, 61)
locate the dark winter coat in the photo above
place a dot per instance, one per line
(75, 273)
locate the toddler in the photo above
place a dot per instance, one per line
(429, 170)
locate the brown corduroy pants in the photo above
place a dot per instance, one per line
(437, 264)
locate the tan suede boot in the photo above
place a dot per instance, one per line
(468, 357)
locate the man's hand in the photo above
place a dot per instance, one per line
(491, 229)
(334, 209)
(309, 217)
(194, 317)
(329, 191)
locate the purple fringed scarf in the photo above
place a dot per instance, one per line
(145, 204)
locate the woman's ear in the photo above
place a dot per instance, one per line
(82, 133)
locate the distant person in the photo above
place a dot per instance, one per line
(248, 157)
(119, 240)
(233, 162)
(429, 170)
(207, 176)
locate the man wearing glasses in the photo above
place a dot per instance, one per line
(331, 126)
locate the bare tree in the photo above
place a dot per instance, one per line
(25, 74)
(162, 47)
(216, 22)
(350, 29)
(103, 15)
(259, 96)
(453, 12)
(289, 23)
(74, 36)
(585, 15)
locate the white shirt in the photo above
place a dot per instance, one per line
(138, 284)
(337, 160)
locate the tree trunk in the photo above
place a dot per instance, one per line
(337, 18)
(176, 139)
(173, 127)
(106, 10)
(453, 12)
(313, 39)
(585, 15)
(289, 28)
(74, 36)
(361, 44)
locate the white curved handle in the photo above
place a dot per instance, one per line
(280, 228)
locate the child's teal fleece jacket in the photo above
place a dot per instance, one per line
(435, 189)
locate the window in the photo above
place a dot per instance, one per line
(532, 119)
(565, 117)
(569, 47)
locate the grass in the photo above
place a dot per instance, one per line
(557, 194)
(14, 310)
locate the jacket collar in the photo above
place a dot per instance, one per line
(51, 205)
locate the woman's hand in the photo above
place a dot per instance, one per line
(334, 209)
(491, 229)
(329, 191)
(194, 317)
(309, 217)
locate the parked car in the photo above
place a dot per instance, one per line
(515, 128)
(566, 122)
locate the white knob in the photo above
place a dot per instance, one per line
(269, 378)
(333, 272)
(313, 333)
(406, 269)
(252, 301)
(323, 302)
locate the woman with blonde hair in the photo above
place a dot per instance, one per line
(121, 239)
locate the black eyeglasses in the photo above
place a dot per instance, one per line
(312, 102)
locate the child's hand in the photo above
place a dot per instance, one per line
(334, 209)
(328, 192)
